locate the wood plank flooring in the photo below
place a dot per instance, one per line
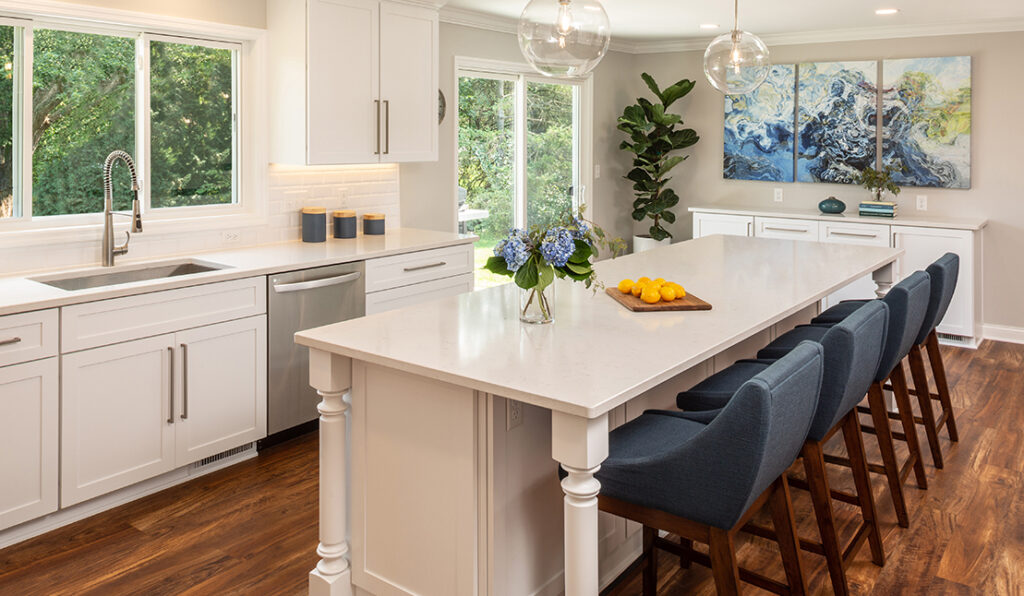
(251, 529)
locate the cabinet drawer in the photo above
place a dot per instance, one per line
(418, 294)
(855, 233)
(93, 324)
(709, 224)
(28, 336)
(418, 267)
(786, 229)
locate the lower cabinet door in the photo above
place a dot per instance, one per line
(223, 389)
(923, 246)
(28, 441)
(418, 293)
(117, 420)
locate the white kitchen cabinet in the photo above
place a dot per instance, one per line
(117, 423)
(28, 441)
(786, 229)
(708, 224)
(418, 293)
(413, 278)
(222, 397)
(923, 246)
(353, 81)
(854, 233)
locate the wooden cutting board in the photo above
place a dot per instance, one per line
(688, 302)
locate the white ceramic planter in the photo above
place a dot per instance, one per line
(644, 243)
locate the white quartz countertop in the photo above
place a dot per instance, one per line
(22, 294)
(913, 218)
(598, 355)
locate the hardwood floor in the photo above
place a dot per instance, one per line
(251, 529)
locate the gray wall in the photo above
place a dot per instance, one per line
(998, 125)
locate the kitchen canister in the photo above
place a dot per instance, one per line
(314, 224)
(345, 224)
(373, 224)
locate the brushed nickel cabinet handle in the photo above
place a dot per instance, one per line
(783, 229)
(376, 103)
(10, 342)
(857, 234)
(422, 267)
(387, 127)
(184, 381)
(170, 356)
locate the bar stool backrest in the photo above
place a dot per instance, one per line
(853, 350)
(907, 302)
(944, 274)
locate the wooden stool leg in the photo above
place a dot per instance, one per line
(650, 581)
(862, 480)
(723, 563)
(687, 546)
(924, 399)
(880, 415)
(785, 532)
(939, 372)
(899, 390)
(817, 481)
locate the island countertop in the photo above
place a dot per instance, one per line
(597, 355)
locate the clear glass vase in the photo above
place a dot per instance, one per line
(537, 306)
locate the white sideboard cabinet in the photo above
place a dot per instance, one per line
(353, 81)
(923, 239)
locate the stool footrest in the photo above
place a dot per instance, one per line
(838, 495)
(700, 558)
(845, 462)
(851, 549)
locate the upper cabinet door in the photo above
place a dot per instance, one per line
(408, 82)
(342, 81)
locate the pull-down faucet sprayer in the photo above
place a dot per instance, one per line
(110, 250)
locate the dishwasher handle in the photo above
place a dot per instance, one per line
(317, 283)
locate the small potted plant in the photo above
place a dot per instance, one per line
(534, 259)
(878, 182)
(654, 135)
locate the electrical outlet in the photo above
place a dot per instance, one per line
(513, 413)
(597, 172)
(231, 237)
(922, 202)
(778, 195)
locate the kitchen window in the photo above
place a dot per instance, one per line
(521, 159)
(69, 95)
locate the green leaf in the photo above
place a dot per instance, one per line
(582, 253)
(668, 216)
(653, 86)
(528, 275)
(498, 266)
(659, 233)
(668, 164)
(579, 269)
(546, 277)
(673, 93)
(681, 139)
(639, 175)
(639, 214)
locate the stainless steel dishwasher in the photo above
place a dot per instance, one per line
(300, 300)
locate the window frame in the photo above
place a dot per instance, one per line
(583, 124)
(250, 155)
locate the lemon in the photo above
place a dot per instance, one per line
(668, 294)
(626, 286)
(638, 288)
(650, 295)
(644, 280)
(660, 281)
(680, 292)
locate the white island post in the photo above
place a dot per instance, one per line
(419, 493)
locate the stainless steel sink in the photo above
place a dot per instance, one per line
(99, 278)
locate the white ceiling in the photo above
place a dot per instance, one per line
(654, 20)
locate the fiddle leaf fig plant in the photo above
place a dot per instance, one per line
(654, 134)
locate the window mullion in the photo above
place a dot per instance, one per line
(520, 171)
(23, 132)
(142, 124)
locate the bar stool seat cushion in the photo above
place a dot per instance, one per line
(791, 339)
(838, 312)
(714, 392)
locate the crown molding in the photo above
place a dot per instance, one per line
(479, 20)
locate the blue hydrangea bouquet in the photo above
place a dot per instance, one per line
(534, 259)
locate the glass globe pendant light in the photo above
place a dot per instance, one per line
(737, 62)
(564, 38)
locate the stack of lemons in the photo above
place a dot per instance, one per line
(652, 292)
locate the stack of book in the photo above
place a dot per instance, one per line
(878, 209)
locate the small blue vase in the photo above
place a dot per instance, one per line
(832, 206)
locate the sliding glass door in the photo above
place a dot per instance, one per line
(518, 156)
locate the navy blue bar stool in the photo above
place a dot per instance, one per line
(853, 351)
(908, 303)
(943, 274)
(704, 482)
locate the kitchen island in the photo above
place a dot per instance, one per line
(423, 476)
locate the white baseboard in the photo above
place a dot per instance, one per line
(117, 498)
(1014, 335)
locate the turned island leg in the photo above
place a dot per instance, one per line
(331, 376)
(884, 279)
(580, 445)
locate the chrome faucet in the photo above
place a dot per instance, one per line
(110, 250)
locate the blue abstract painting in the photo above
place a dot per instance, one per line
(759, 130)
(837, 120)
(926, 121)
